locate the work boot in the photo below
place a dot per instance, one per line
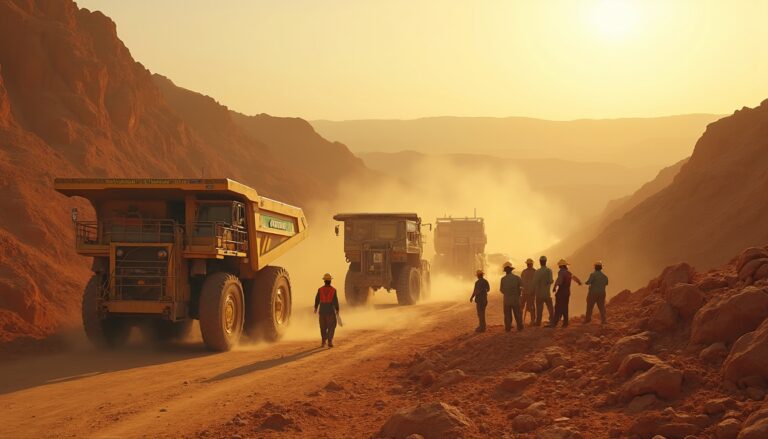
(479, 329)
(323, 345)
(330, 344)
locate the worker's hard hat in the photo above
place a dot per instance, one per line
(562, 262)
(479, 272)
(508, 264)
(529, 261)
(598, 263)
(327, 276)
(543, 258)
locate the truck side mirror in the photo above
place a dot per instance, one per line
(74, 214)
(336, 229)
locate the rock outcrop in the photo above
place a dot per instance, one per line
(662, 380)
(748, 356)
(431, 420)
(730, 317)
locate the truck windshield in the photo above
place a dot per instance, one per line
(215, 213)
(386, 231)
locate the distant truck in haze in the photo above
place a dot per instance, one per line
(459, 246)
(167, 251)
(384, 250)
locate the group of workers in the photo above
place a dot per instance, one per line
(526, 294)
(529, 293)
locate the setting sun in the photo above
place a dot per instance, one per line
(614, 19)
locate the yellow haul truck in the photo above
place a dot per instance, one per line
(167, 251)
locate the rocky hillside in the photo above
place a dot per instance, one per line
(73, 102)
(614, 210)
(716, 205)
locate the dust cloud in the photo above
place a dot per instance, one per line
(519, 221)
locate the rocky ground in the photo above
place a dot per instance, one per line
(686, 356)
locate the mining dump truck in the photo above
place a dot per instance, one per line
(384, 250)
(459, 246)
(167, 251)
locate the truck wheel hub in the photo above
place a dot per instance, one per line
(229, 315)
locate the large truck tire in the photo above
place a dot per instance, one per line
(222, 311)
(102, 333)
(426, 281)
(269, 304)
(408, 285)
(354, 293)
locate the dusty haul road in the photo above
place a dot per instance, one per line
(182, 390)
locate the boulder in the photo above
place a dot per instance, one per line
(714, 353)
(276, 422)
(558, 372)
(431, 420)
(536, 363)
(642, 403)
(516, 381)
(634, 363)
(728, 429)
(428, 378)
(718, 405)
(662, 317)
(453, 376)
(712, 283)
(662, 380)
(748, 356)
(524, 423)
(686, 299)
(538, 410)
(333, 386)
(561, 362)
(520, 402)
(678, 430)
(630, 344)
(749, 269)
(750, 254)
(418, 369)
(756, 425)
(761, 273)
(558, 432)
(731, 317)
(675, 274)
(755, 393)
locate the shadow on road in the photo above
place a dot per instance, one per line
(74, 365)
(264, 364)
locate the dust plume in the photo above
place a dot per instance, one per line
(519, 221)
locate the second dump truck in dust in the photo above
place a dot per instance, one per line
(384, 250)
(167, 251)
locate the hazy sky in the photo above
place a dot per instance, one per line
(556, 59)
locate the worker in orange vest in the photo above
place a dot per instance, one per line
(327, 302)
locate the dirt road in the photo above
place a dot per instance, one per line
(184, 390)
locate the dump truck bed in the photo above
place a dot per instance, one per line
(275, 226)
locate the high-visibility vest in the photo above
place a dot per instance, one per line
(326, 294)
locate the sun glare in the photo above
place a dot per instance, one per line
(614, 19)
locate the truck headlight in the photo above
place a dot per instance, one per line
(162, 254)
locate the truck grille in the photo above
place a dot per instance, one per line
(140, 274)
